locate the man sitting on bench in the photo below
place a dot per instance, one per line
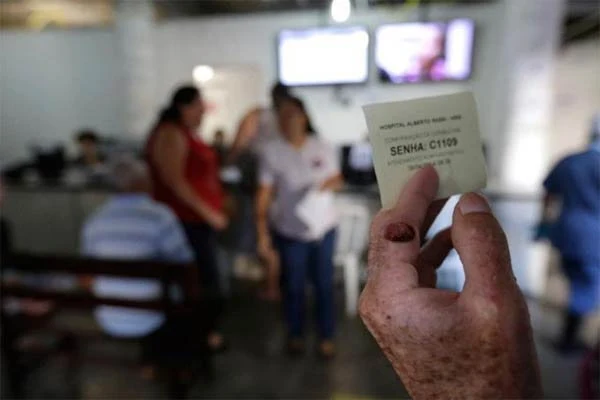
(132, 226)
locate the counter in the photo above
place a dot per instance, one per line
(48, 218)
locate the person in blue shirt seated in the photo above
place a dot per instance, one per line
(575, 183)
(132, 226)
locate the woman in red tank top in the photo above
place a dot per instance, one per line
(185, 174)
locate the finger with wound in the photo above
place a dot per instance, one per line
(399, 232)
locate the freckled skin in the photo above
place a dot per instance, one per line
(454, 352)
(476, 344)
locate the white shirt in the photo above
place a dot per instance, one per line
(293, 172)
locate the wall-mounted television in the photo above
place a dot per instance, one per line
(425, 51)
(357, 164)
(323, 56)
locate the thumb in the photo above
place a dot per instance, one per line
(482, 247)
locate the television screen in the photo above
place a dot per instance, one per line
(357, 164)
(323, 56)
(424, 51)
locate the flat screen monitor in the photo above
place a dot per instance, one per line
(357, 164)
(425, 51)
(323, 56)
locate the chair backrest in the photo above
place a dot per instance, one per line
(165, 272)
(353, 229)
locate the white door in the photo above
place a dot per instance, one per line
(229, 95)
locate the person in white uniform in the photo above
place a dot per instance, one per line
(291, 167)
(258, 127)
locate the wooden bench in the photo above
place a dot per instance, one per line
(168, 274)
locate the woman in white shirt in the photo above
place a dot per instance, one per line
(291, 167)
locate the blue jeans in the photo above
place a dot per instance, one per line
(301, 260)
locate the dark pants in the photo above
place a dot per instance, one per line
(583, 276)
(203, 240)
(571, 323)
(301, 260)
(176, 342)
(584, 283)
(178, 346)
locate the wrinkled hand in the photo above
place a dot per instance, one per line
(447, 345)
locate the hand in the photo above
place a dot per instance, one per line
(333, 183)
(323, 186)
(446, 345)
(218, 221)
(542, 231)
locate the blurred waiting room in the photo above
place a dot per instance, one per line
(187, 187)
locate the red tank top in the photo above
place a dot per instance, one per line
(201, 171)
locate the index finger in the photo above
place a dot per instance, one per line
(408, 215)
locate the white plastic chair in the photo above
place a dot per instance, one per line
(352, 236)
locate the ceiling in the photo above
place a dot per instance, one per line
(41, 14)
(582, 19)
(176, 9)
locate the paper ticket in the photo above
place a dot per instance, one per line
(441, 130)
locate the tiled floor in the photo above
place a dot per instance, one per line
(255, 367)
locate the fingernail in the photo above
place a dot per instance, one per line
(473, 203)
(399, 232)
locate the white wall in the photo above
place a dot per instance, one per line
(231, 40)
(228, 96)
(53, 83)
(532, 37)
(577, 85)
